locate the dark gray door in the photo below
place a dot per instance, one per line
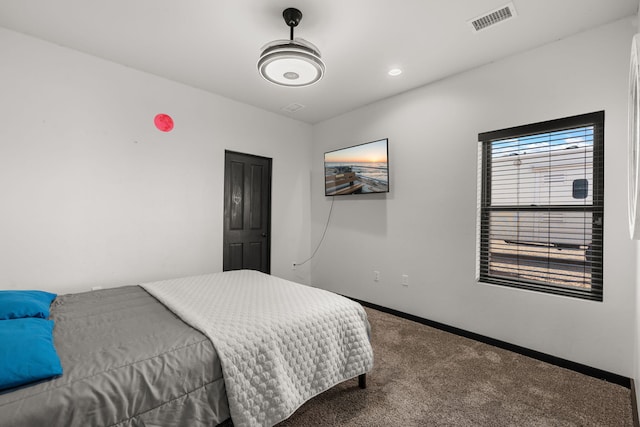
(247, 212)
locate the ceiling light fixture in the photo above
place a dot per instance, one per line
(293, 62)
(395, 72)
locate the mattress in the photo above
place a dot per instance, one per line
(128, 361)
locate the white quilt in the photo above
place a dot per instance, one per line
(280, 343)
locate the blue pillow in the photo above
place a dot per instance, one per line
(19, 304)
(27, 353)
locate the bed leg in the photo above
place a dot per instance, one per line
(362, 381)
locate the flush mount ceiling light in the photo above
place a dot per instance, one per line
(293, 62)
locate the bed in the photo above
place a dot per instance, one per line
(202, 350)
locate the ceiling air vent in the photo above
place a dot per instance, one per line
(495, 16)
(292, 108)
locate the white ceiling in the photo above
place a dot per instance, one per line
(214, 44)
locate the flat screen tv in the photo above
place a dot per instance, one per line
(360, 169)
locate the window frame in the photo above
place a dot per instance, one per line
(485, 140)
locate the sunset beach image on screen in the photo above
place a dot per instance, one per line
(360, 169)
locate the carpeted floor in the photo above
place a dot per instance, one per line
(427, 377)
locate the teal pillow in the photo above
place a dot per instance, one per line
(19, 304)
(27, 353)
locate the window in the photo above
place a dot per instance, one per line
(580, 188)
(541, 206)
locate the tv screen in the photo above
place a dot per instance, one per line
(360, 169)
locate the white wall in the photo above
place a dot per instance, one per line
(94, 195)
(426, 226)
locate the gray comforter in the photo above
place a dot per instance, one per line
(128, 361)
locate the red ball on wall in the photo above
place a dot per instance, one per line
(163, 122)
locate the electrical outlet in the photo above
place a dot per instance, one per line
(404, 280)
(376, 276)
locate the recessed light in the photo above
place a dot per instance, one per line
(395, 72)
